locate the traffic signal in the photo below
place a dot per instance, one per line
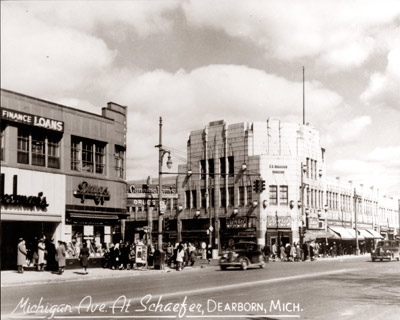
(262, 186)
(256, 185)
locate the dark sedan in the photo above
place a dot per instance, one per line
(243, 255)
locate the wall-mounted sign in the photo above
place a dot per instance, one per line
(275, 166)
(167, 189)
(32, 120)
(89, 191)
(279, 222)
(32, 202)
(143, 203)
(236, 223)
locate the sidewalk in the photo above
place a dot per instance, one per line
(12, 278)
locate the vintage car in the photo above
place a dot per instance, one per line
(386, 249)
(243, 255)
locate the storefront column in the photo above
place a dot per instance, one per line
(262, 226)
(179, 229)
(150, 224)
(123, 225)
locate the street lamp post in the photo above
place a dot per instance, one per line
(161, 154)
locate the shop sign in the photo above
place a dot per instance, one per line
(167, 189)
(32, 120)
(89, 191)
(283, 222)
(236, 223)
(33, 202)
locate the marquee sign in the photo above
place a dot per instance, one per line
(32, 120)
(89, 191)
(283, 222)
(167, 189)
(236, 223)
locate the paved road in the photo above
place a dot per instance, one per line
(342, 289)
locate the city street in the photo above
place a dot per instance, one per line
(351, 288)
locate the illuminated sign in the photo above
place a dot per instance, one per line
(89, 191)
(32, 120)
(236, 223)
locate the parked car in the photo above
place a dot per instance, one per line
(243, 255)
(386, 249)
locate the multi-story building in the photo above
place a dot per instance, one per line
(62, 173)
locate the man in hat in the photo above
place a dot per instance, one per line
(21, 258)
(60, 255)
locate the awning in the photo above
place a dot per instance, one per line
(343, 232)
(93, 216)
(365, 234)
(312, 235)
(375, 234)
(353, 234)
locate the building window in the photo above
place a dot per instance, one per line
(223, 197)
(100, 159)
(222, 166)
(231, 166)
(249, 192)
(119, 161)
(2, 142)
(308, 167)
(194, 199)
(88, 155)
(212, 198)
(231, 193)
(211, 168)
(283, 195)
(38, 149)
(241, 197)
(203, 198)
(273, 195)
(187, 198)
(203, 168)
(23, 147)
(53, 148)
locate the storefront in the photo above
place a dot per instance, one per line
(93, 212)
(279, 230)
(32, 207)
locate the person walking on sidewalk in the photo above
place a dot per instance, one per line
(21, 258)
(41, 251)
(180, 253)
(84, 257)
(60, 257)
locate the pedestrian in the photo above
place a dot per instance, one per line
(180, 253)
(84, 257)
(267, 253)
(287, 252)
(169, 254)
(41, 254)
(305, 251)
(274, 251)
(21, 258)
(209, 253)
(282, 251)
(293, 252)
(60, 257)
(311, 252)
(50, 255)
(298, 253)
(334, 250)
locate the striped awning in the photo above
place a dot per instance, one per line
(375, 234)
(343, 232)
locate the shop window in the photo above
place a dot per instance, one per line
(231, 194)
(120, 161)
(283, 195)
(241, 196)
(273, 195)
(23, 146)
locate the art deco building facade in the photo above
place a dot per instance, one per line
(62, 172)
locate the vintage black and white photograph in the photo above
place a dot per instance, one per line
(197, 159)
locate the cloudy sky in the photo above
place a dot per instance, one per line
(193, 62)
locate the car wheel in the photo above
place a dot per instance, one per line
(381, 260)
(262, 262)
(373, 259)
(223, 267)
(244, 264)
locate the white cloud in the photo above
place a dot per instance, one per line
(339, 34)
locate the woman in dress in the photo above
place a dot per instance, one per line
(41, 252)
(84, 256)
